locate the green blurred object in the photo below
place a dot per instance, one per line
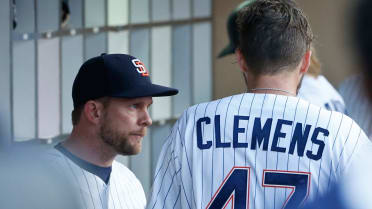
(232, 30)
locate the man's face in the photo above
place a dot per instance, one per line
(124, 124)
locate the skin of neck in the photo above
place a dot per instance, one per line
(89, 147)
(286, 80)
(86, 143)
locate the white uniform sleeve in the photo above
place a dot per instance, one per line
(167, 185)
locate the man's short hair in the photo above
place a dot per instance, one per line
(77, 111)
(274, 35)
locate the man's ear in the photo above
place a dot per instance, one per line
(305, 63)
(93, 111)
(240, 59)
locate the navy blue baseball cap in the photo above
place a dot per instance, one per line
(115, 75)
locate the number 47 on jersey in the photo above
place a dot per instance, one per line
(236, 186)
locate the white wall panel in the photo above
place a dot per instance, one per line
(202, 63)
(48, 94)
(118, 42)
(76, 14)
(72, 59)
(25, 15)
(181, 68)
(181, 9)
(24, 90)
(161, 70)
(202, 8)
(160, 10)
(47, 15)
(140, 46)
(95, 14)
(95, 45)
(139, 11)
(117, 12)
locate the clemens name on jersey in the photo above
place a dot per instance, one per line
(260, 134)
(255, 151)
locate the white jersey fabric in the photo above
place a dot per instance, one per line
(254, 151)
(352, 192)
(318, 91)
(358, 106)
(122, 191)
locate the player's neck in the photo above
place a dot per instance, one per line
(89, 148)
(281, 84)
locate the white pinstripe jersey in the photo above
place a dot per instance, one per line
(320, 92)
(358, 106)
(123, 190)
(254, 151)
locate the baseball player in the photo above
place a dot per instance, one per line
(111, 95)
(265, 148)
(315, 87)
(355, 191)
(358, 106)
(357, 88)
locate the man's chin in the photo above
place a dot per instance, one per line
(134, 150)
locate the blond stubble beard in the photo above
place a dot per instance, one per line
(119, 142)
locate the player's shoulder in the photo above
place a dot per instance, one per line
(342, 117)
(58, 162)
(344, 126)
(123, 170)
(332, 115)
(324, 114)
(52, 154)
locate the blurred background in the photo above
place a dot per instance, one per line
(44, 42)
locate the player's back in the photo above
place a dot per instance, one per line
(255, 151)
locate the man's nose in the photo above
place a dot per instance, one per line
(146, 119)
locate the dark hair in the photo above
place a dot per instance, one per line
(76, 113)
(273, 35)
(363, 33)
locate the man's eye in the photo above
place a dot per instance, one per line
(135, 106)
